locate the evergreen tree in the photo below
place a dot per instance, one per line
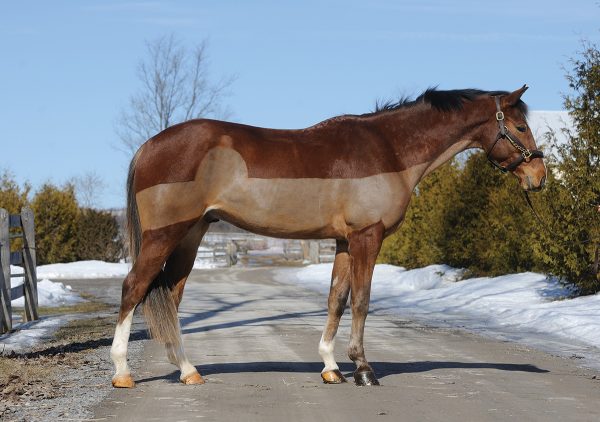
(13, 198)
(466, 230)
(420, 241)
(506, 226)
(56, 215)
(472, 217)
(98, 236)
(569, 247)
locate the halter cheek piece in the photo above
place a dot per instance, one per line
(504, 133)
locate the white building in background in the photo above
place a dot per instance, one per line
(541, 122)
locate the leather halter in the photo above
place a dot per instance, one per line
(504, 133)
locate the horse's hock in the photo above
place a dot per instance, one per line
(17, 226)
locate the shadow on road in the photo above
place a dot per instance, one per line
(75, 346)
(382, 369)
(251, 321)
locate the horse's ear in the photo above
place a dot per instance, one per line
(514, 97)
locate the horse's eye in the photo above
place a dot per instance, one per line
(522, 129)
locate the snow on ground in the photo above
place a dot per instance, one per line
(96, 269)
(204, 259)
(83, 269)
(49, 293)
(529, 308)
(32, 333)
(54, 293)
(202, 264)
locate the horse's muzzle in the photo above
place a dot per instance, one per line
(531, 187)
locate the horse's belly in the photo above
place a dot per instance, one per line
(311, 207)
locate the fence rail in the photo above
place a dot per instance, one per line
(17, 226)
(229, 246)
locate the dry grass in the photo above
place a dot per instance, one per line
(35, 375)
(89, 306)
(89, 329)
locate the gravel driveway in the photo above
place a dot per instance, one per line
(255, 342)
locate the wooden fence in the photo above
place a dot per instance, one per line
(22, 226)
(222, 252)
(313, 251)
(226, 248)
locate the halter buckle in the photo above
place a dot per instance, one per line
(499, 116)
(527, 155)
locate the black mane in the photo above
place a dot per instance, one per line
(451, 100)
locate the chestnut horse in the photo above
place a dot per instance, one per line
(349, 178)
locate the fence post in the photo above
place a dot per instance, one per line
(6, 311)
(29, 264)
(313, 248)
(305, 251)
(231, 254)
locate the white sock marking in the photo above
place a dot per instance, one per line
(326, 352)
(118, 351)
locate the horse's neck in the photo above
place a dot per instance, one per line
(449, 135)
(446, 155)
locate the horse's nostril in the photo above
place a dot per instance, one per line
(543, 182)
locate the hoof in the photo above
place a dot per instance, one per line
(193, 379)
(333, 377)
(123, 381)
(365, 378)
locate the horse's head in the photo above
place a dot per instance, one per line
(509, 143)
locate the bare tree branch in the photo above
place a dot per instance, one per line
(88, 188)
(175, 87)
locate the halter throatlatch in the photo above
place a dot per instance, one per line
(504, 133)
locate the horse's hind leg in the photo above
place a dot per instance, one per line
(156, 246)
(338, 296)
(364, 247)
(177, 269)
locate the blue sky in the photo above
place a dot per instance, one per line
(67, 68)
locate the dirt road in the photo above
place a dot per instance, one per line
(255, 342)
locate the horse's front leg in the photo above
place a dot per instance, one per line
(364, 247)
(338, 296)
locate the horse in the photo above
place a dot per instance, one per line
(349, 178)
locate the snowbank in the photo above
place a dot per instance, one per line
(526, 307)
(49, 293)
(52, 293)
(83, 269)
(95, 269)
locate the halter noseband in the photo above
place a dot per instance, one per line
(504, 133)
